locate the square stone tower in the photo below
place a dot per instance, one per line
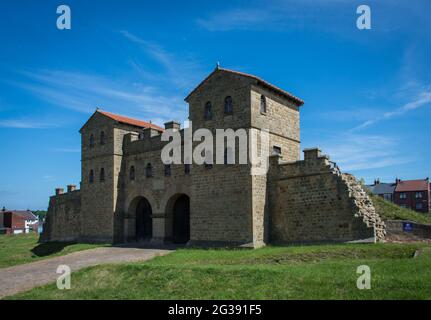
(101, 186)
(228, 202)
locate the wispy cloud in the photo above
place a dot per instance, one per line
(279, 16)
(335, 16)
(181, 70)
(141, 93)
(49, 177)
(84, 92)
(156, 51)
(423, 99)
(67, 150)
(236, 19)
(25, 124)
(9, 192)
(354, 152)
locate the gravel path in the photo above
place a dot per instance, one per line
(27, 276)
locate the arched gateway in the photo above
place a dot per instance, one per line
(144, 221)
(178, 219)
(140, 225)
(181, 220)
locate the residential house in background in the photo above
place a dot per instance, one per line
(1, 220)
(382, 189)
(410, 194)
(413, 194)
(17, 221)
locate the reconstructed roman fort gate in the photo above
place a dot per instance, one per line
(128, 194)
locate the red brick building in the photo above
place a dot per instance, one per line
(15, 221)
(413, 194)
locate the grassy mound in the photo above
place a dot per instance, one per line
(24, 248)
(307, 272)
(390, 211)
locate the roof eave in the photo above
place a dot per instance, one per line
(298, 102)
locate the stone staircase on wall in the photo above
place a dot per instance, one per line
(364, 205)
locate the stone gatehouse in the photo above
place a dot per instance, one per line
(128, 194)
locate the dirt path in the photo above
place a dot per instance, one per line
(27, 276)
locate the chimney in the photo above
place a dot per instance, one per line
(311, 153)
(59, 191)
(172, 125)
(149, 132)
(71, 188)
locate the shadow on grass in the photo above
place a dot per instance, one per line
(46, 249)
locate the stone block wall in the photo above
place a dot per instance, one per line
(312, 201)
(64, 219)
(159, 190)
(221, 205)
(394, 229)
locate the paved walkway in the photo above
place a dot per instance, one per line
(27, 276)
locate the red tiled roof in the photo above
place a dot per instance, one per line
(259, 80)
(412, 185)
(131, 121)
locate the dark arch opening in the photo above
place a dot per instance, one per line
(181, 220)
(144, 221)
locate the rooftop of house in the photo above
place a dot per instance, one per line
(382, 188)
(130, 121)
(25, 214)
(258, 80)
(412, 185)
(145, 124)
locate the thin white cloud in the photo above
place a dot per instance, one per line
(182, 70)
(156, 51)
(49, 177)
(423, 99)
(84, 92)
(67, 150)
(354, 152)
(334, 16)
(281, 15)
(236, 19)
(142, 93)
(25, 124)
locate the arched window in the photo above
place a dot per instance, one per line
(132, 173)
(91, 176)
(102, 175)
(167, 170)
(91, 141)
(228, 107)
(208, 111)
(262, 104)
(149, 170)
(102, 138)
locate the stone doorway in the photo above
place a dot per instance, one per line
(181, 220)
(144, 221)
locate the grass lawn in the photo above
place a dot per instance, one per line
(307, 272)
(390, 211)
(19, 249)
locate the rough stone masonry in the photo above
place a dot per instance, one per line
(128, 194)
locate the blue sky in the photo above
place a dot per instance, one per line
(367, 93)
